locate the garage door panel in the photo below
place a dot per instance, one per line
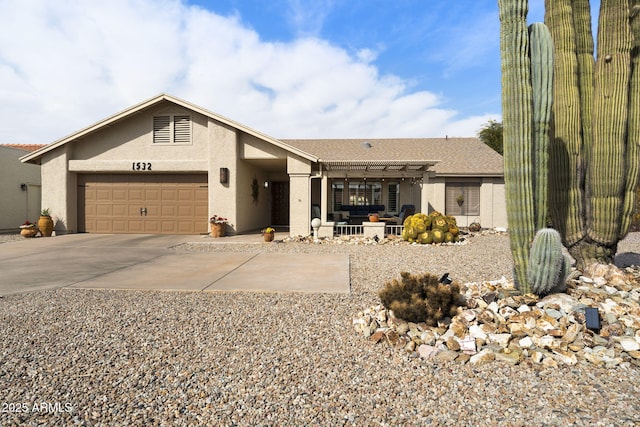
(103, 210)
(135, 195)
(175, 204)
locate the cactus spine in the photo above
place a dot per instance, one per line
(548, 266)
(526, 58)
(594, 156)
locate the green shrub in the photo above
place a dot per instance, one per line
(421, 298)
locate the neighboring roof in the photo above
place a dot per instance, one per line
(454, 156)
(25, 147)
(35, 156)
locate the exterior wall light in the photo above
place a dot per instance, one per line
(224, 176)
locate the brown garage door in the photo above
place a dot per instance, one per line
(155, 204)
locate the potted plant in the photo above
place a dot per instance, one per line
(218, 226)
(460, 199)
(28, 229)
(45, 223)
(268, 234)
(374, 217)
(475, 226)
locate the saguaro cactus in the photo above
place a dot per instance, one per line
(527, 60)
(594, 156)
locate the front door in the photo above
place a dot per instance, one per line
(280, 203)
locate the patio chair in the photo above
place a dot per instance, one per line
(405, 211)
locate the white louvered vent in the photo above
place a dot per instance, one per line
(162, 130)
(181, 129)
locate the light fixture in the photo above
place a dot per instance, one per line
(224, 176)
(23, 186)
(266, 184)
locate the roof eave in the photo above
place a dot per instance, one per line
(32, 157)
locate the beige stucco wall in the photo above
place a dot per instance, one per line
(18, 205)
(59, 192)
(299, 171)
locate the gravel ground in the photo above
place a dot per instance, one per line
(200, 358)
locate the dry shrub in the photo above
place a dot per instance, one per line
(421, 298)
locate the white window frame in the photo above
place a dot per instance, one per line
(391, 209)
(470, 191)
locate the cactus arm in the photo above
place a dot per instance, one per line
(606, 174)
(632, 156)
(586, 62)
(542, 87)
(517, 110)
(566, 163)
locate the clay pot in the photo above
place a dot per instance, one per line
(218, 229)
(45, 225)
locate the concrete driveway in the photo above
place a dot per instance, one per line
(99, 261)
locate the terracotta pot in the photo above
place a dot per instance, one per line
(268, 237)
(374, 218)
(218, 230)
(29, 232)
(45, 225)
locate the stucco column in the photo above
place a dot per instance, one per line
(424, 193)
(59, 190)
(223, 154)
(299, 171)
(299, 205)
(324, 187)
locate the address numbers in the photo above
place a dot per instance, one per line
(141, 166)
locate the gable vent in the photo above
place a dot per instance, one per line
(162, 130)
(182, 129)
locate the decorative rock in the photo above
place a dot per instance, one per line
(526, 342)
(509, 327)
(566, 357)
(427, 351)
(482, 357)
(468, 345)
(377, 336)
(628, 344)
(501, 339)
(447, 355)
(537, 356)
(428, 337)
(452, 344)
(512, 357)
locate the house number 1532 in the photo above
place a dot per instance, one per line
(141, 166)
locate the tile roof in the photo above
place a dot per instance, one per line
(25, 147)
(455, 156)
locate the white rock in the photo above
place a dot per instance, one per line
(525, 342)
(427, 351)
(476, 332)
(628, 343)
(524, 308)
(502, 339)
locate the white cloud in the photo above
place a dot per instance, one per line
(69, 63)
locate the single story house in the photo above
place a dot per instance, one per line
(167, 166)
(19, 187)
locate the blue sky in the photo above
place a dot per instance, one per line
(288, 68)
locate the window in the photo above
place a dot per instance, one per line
(462, 198)
(172, 129)
(365, 193)
(337, 189)
(393, 195)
